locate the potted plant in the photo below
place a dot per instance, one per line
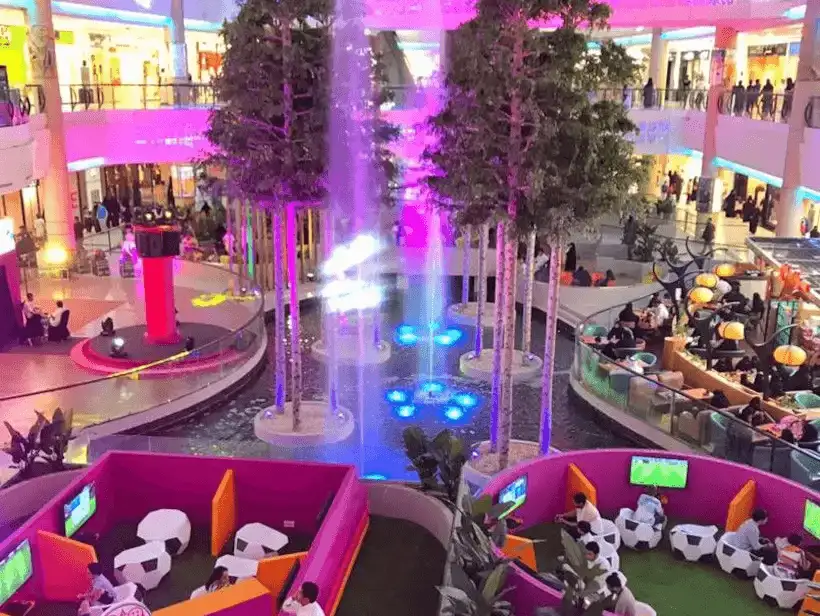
(580, 581)
(438, 461)
(47, 441)
(465, 597)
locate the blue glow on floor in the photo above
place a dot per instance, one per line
(406, 410)
(454, 413)
(466, 401)
(408, 335)
(432, 387)
(397, 396)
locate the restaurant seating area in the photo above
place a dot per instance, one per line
(731, 369)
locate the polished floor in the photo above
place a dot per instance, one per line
(44, 377)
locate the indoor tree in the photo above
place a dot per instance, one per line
(270, 131)
(521, 138)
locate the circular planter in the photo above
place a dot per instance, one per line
(480, 368)
(465, 314)
(347, 352)
(317, 427)
(483, 465)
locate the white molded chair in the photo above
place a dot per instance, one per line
(739, 563)
(644, 609)
(779, 592)
(123, 593)
(637, 535)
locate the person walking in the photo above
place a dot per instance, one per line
(708, 236)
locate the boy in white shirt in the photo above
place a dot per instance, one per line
(304, 603)
(584, 511)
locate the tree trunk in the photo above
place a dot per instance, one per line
(481, 289)
(279, 311)
(498, 337)
(295, 330)
(511, 247)
(465, 265)
(331, 321)
(529, 280)
(556, 252)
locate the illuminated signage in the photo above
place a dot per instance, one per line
(6, 235)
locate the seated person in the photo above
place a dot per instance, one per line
(650, 508)
(719, 400)
(753, 415)
(584, 511)
(654, 301)
(776, 387)
(801, 380)
(218, 579)
(55, 332)
(746, 364)
(608, 280)
(304, 602)
(724, 364)
(581, 278)
(622, 600)
(100, 592)
(627, 315)
(792, 561)
(620, 337)
(593, 553)
(736, 298)
(747, 537)
(661, 312)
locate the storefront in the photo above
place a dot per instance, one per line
(774, 63)
(13, 68)
(22, 206)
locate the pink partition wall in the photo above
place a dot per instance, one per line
(712, 485)
(50, 518)
(330, 554)
(267, 491)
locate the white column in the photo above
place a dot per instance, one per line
(56, 185)
(674, 82)
(742, 59)
(179, 54)
(721, 74)
(658, 60)
(790, 207)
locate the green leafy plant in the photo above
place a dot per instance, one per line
(668, 250)
(580, 580)
(465, 597)
(647, 243)
(46, 440)
(437, 461)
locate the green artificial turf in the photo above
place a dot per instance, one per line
(672, 587)
(397, 571)
(680, 588)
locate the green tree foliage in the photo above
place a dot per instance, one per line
(573, 160)
(272, 130)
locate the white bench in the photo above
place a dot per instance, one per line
(171, 526)
(257, 541)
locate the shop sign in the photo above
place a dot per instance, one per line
(757, 51)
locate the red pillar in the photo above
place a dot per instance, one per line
(160, 314)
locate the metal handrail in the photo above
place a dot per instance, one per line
(773, 441)
(757, 105)
(83, 97)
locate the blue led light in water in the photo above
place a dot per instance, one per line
(405, 329)
(406, 410)
(407, 339)
(396, 395)
(431, 387)
(454, 413)
(375, 477)
(448, 338)
(466, 401)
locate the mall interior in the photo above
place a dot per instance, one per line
(214, 402)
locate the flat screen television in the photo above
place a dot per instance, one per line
(811, 519)
(15, 570)
(515, 493)
(78, 511)
(660, 472)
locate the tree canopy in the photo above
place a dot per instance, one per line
(574, 160)
(271, 131)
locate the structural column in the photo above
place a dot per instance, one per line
(56, 187)
(658, 60)
(179, 53)
(790, 206)
(721, 75)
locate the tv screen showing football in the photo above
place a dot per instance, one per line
(659, 472)
(15, 570)
(811, 519)
(515, 493)
(80, 509)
